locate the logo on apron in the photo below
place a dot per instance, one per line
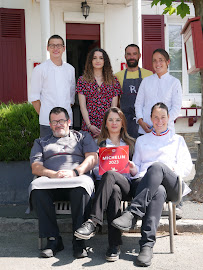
(132, 89)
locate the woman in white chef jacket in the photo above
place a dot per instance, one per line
(159, 87)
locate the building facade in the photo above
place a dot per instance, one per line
(25, 26)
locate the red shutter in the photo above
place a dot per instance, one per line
(13, 85)
(152, 37)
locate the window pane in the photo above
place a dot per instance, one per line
(178, 75)
(175, 39)
(176, 59)
(195, 83)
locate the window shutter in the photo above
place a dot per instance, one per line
(13, 83)
(152, 37)
(11, 25)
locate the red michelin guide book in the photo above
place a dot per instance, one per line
(114, 159)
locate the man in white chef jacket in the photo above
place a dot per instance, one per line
(52, 84)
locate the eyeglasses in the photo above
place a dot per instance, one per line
(58, 46)
(61, 122)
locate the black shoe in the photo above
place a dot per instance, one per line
(145, 256)
(54, 244)
(79, 249)
(124, 222)
(113, 253)
(86, 231)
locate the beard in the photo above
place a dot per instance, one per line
(132, 64)
(60, 133)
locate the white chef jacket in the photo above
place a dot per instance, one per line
(153, 89)
(169, 149)
(54, 86)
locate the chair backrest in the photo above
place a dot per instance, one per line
(63, 207)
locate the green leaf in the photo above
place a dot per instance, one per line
(172, 10)
(155, 2)
(168, 3)
(183, 9)
(169, 10)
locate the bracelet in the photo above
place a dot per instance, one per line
(88, 125)
(76, 172)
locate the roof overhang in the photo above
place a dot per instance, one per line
(101, 2)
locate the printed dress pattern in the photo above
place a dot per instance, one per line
(98, 99)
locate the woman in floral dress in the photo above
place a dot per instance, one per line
(98, 90)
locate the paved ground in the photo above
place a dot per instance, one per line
(19, 240)
(19, 252)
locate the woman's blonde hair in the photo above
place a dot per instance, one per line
(104, 134)
(107, 69)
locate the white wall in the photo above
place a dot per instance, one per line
(116, 32)
(181, 126)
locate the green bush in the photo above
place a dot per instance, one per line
(19, 127)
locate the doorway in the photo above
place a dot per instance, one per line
(80, 39)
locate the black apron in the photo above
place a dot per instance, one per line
(127, 102)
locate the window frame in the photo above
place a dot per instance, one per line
(195, 97)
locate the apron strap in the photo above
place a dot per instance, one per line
(125, 74)
(140, 75)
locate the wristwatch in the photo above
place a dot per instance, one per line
(76, 172)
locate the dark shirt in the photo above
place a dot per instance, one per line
(63, 153)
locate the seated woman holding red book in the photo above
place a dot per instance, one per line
(113, 186)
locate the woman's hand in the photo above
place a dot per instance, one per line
(144, 125)
(96, 131)
(133, 169)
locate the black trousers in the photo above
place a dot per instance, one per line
(43, 203)
(149, 194)
(113, 187)
(158, 184)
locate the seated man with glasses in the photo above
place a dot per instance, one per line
(62, 161)
(52, 84)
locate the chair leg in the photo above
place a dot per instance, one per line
(174, 219)
(171, 232)
(40, 243)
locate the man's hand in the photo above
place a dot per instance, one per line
(144, 125)
(64, 174)
(40, 170)
(37, 105)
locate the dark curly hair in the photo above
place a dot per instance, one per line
(107, 69)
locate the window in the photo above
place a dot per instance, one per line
(176, 48)
(175, 51)
(195, 83)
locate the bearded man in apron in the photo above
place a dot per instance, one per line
(130, 80)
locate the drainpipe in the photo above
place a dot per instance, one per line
(137, 25)
(45, 27)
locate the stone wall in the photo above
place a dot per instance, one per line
(190, 139)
